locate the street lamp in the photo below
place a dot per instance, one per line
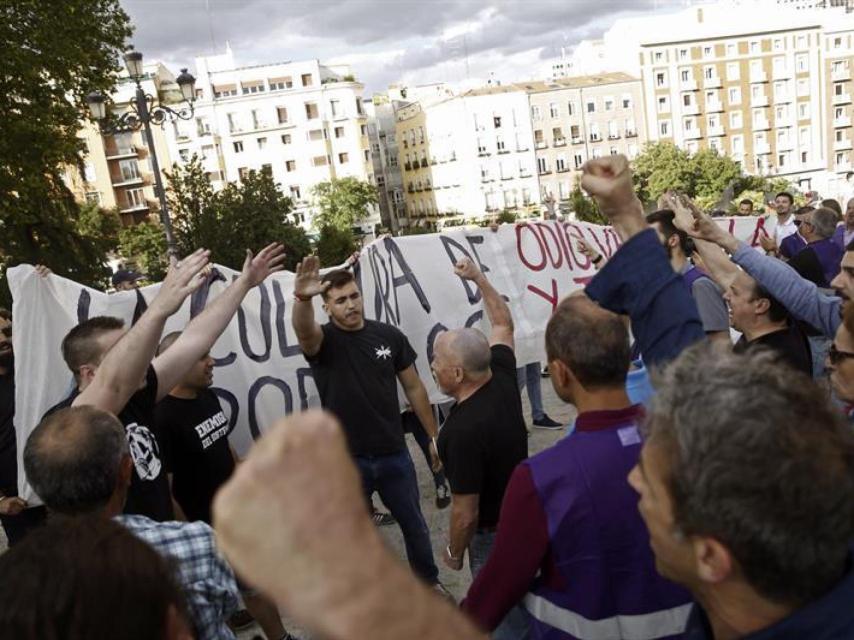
(142, 114)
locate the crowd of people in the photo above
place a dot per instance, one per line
(705, 489)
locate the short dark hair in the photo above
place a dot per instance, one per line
(591, 341)
(337, 278)
(833, 205)
(747, 201)
(80, 345)
(804, 210)
(760, 461)
(5, 313)
(665, 218)
(776, 311)
(87, 577)
(72, 459)
(786, 194)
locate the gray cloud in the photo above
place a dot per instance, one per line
(265, 31)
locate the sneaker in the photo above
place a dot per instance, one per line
(443, 496)
(383, 519)
(442, 590)
(240, 620)
(547, 423)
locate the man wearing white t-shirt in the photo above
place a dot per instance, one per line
(782, 204)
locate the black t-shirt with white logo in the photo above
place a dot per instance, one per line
(195, 434)
(356, 375)
(484, 438)
(149, 493)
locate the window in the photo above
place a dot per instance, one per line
(627, 101)
(526, 195)
(286, 138)
(364, 131)
(136, 197)
(306, 79)
(779, 66)
(277, 84)
(659, 56)
(803, 110)
(184, 155)
(804, 135)
(708, 51)
(560, 163)
(535, 112)
(595, 136)
(233, 125)
(290, 165)
(802, 62)
(688, 124)
(734, 95)
(731, 50)
(481, 144)
(801, 42)
(575, 133)
(735, 121)
(554, 111)
(733, 71)
(335, 107)
(243, 172)
(238, 147)
(591, 106)
(267, 168)
(129, 170)
(664, 127)
(687, 99)
(295, 193)
(737, 144)
(777, 45)
(542, 166)
(203, 127)
(339, 132)
(93, 197)
(685, 76)
(683, 54)
(803, 87)
(557, 136)
(256, 87)
(499, 143)
(343, 158)
(311, 110)
(609, 103)
(755, 47)
(663, 104)
(709, 73)
(319, 161)
(578, 160)
(315, 134)
(661, 79)
(282, 114)
(570, 108)
(262, 142)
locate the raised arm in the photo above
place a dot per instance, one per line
(801, 297)
(307, 285)
(496, 309)
(638, 279)
(123, 368)
(204, 330)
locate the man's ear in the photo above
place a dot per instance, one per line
(713, 560)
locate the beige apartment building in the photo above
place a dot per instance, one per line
(116, 170)
(838, 53)
(575, 119)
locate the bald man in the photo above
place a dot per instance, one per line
(484, 437)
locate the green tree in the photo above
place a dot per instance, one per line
(144, 246)
(242, 216)
(713, 174)
(586, 209)
(335, 245)
(54, 54)
(101, 226)
(662, 166)
(342, 202)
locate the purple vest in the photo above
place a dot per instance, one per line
(829, 257)
(692, 275)
(600, 545)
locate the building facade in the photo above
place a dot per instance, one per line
(304, 122)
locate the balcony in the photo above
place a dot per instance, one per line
(503, 152)
(759, 101)
(577, 140)
(783, 98)
(559, 142)
(712, 83)
(595, 137)
(714, 106)
(758, 76)
(134, 208)
(714, 132)
(839, 75)
(841, 98)
(761, 124)
(780, 74)
(407, 166)
(688, 85)
(693, 134)
(842, 121)
(691, 109)
(842, 145)
(540, 144)
(762, 148)
(613, 136)
(785, 144)
(562, 169)
(424, 163)
(119, 153)
(631, 134)
(127, 181)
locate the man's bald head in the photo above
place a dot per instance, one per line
(591, 341)
(470, 349)
(73, 458)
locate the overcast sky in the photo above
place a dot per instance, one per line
(384, 41)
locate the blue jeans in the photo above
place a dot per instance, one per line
(393, 477)
(515, 623)
(529, 376)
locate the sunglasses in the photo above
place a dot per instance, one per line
(836, 356)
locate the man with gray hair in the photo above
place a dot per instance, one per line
(78, 462)
(819, 261)
(484, 437)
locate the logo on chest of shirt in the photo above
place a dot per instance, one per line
(382, 353)
(143, 451)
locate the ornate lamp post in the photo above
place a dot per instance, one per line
(142, 114)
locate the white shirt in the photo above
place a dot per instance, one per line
(784, 229)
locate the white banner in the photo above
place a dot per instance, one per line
(261, 375)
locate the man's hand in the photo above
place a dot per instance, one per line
(452, 563)
(181, 280)
(435, 461)
(257, 268)
(768, 244)
(586, 249)
(12, 506)
(609, 181)
(43, 271)
(307, 281)
(467, 269)
(354, 257)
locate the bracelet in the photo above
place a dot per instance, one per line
(597, 259)
(451, 555)
(302, 298)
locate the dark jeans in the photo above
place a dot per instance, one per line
(515, 623)
(393, 477)
(16, 527)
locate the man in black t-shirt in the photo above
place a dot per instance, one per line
(484, 437)
(356, 364)
(116, 371)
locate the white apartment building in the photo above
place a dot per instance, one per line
(467, 157)
(302, 121)
(384, 153)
